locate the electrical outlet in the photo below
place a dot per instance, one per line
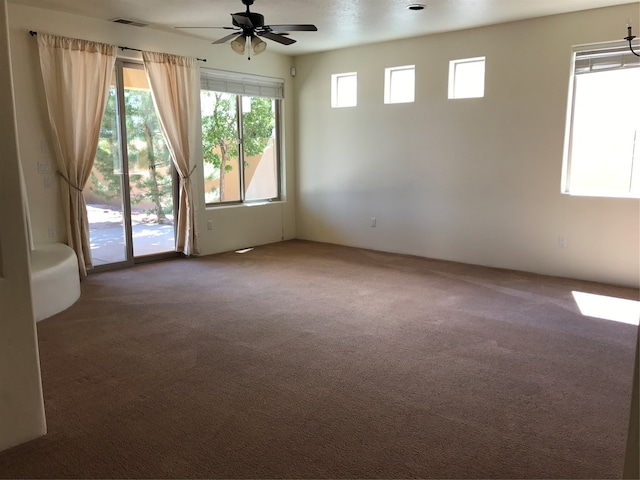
(209, 224)
(562, 241)
(374, 221)
(53, 232)
(48, 181)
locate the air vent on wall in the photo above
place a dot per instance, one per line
(129, 22)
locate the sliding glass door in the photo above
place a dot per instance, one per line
(130, 195)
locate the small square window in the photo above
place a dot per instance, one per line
(466, 78)
(400, 84)
(344, 90)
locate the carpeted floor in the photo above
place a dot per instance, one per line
(307, 360)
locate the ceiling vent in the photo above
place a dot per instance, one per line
(124, 21)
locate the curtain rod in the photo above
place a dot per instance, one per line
(32, 33)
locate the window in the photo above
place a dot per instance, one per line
(240, 137)
(466, 78)
(603, 132)
(344, 90)
(400, 84)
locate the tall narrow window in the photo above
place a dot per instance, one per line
(240, 135)
(344, 90)
(466, 78)
(400, 84)
(603, 133)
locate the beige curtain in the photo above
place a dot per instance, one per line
(77, 76)
(175, 88)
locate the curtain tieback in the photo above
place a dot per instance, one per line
(68, 182)
(187, 177)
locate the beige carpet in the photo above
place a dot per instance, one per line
(300, 360)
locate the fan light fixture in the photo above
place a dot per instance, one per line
(238, 44)
(258, 46)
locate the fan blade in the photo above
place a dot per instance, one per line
(293, 28)
(226, 39)
(225, 28)
(242, 20)
(277, 38)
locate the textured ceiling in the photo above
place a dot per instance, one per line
(341, 23)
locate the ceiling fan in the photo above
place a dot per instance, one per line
(251, 25)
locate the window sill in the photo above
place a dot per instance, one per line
(257, 203)
(630, 196)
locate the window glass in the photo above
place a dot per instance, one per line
(466, 78)
(260, 154)
(399, 84)
(344, 90)
(220, 147)
(240, 147)
(602, 155)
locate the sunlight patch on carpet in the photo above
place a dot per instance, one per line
(608, 308)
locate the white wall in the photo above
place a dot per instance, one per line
(234, 227)
(21, 404)
(476, 180)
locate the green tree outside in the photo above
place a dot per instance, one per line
(220, 135)
(147, 152)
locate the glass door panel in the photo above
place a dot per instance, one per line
(150, 170)
(128, 223)
(103, 192)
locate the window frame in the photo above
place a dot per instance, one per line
(388, 84)
(568, 160)
(248, 86)
(453, 64)
(335, 89)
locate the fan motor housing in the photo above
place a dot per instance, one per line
(256, 19)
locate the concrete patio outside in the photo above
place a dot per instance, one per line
(108, 243)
